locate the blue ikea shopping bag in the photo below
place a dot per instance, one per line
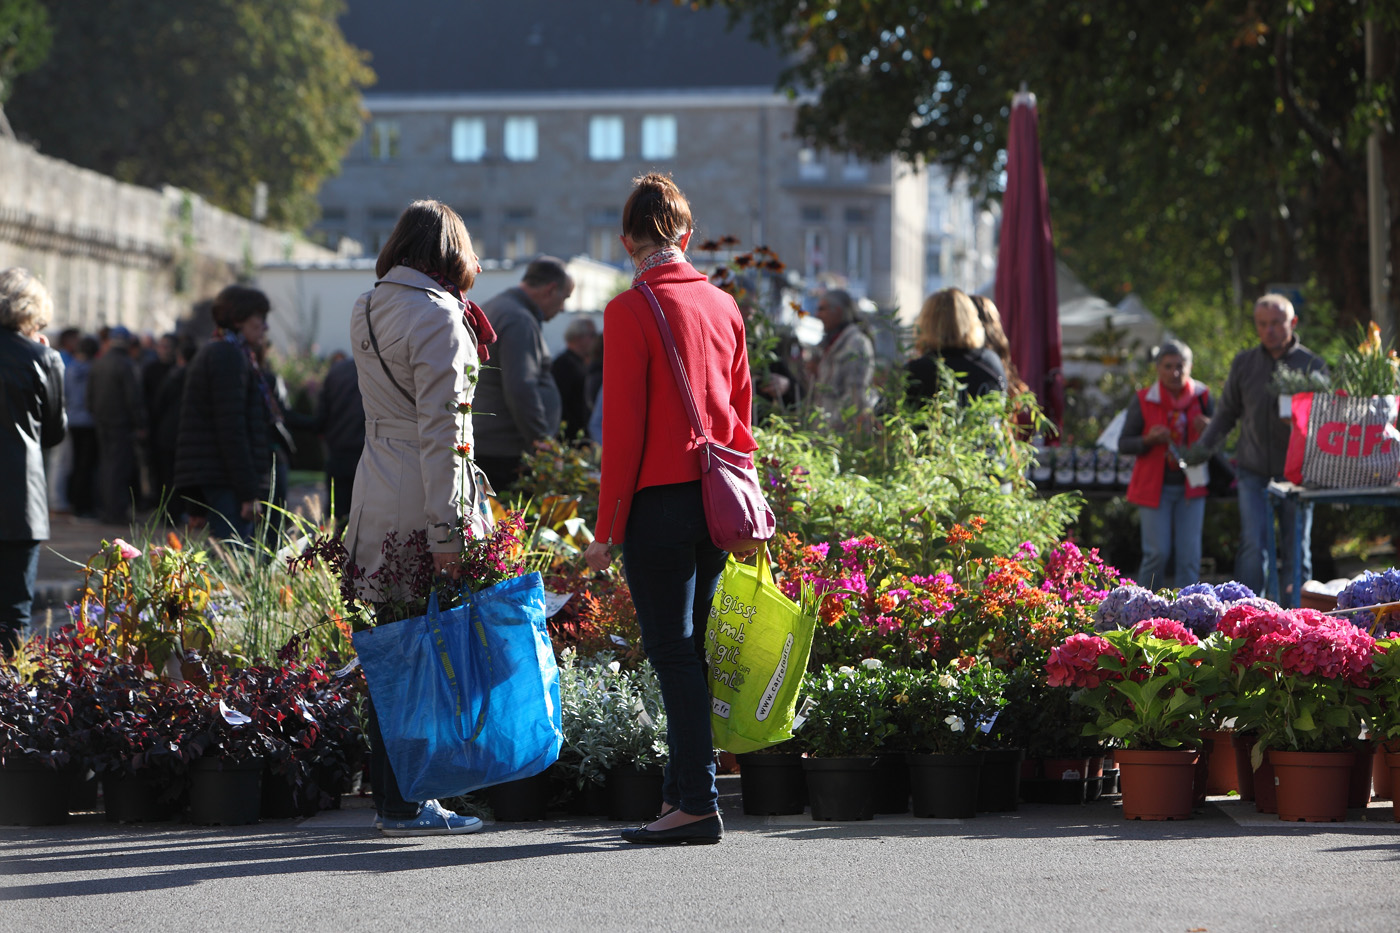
(466, 697)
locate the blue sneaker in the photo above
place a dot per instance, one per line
(432, 820)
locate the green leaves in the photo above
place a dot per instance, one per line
(213, 97)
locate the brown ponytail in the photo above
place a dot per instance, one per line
(656, 213)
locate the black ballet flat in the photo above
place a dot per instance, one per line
(700, 833)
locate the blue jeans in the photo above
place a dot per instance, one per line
(1254, 533)
(19, 570)
(672, 570)
(1172, 529)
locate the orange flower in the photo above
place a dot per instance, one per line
(172, 541)
(959, 535)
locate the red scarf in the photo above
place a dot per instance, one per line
(472, 316)
(1176, 414)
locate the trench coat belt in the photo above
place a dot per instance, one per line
(400, 429)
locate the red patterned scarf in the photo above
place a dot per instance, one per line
(472, 314)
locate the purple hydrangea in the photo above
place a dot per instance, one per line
(1198, 588)
(1200, 612)
(1370, 589)
(1146, 606)
(1110, 614)
(1232, 592)
(1258, 602)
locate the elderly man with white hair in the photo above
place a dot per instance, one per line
(1263, 444)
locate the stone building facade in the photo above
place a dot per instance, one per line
(536, 137)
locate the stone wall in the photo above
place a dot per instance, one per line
(113, 253)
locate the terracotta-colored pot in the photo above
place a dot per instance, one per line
(1157, 785)
(1220, 751)
(1312, 786)
(1065, 769)
(1244, 767)
(1359, 789)
(1266, 785)
(1381, 788)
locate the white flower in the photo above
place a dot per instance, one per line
(955, 723)
(947, 681)
(872, 664)
(846, 670)
(615, 667)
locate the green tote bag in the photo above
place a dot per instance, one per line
(757, 642)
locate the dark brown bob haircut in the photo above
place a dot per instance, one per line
(431, 238)
(236, 303)
(656, 213)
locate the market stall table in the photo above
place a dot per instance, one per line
(1305, 499)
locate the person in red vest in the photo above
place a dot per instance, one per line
(1163, 420)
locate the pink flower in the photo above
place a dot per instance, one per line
(817, 551)
(127, 551)
(1026, 551)
(1075, 663)
(1166, 629)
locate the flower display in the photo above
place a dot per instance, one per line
(1112, 611)
(1372, 589)
(1075, 663)
(1200, 612)
(1232, 592)
(1166, 628)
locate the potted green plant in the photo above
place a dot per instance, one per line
(942, 716)
(1312, 679)
(771, 780)
(1048, 725)
(848, 725)
(233, 748)
(1383, 715)
(1146, 686)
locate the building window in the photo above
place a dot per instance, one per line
(522, 142)
(519, 245)
(605, 139)
(809, 165)
(659, 136)
(814, 250)
(384, 140)
(858, 264)
(813, 214)
(859, 215)
(468, 139)
(854, 169)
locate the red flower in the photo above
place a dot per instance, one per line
(1166, 629)
(1076, 662)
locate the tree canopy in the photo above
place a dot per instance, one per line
(24, 39)
(213, 96)
(1195, 151)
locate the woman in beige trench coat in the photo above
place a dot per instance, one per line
(418, 343)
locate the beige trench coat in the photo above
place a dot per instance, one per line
(410, 477)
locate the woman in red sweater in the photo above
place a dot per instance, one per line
(649, 502)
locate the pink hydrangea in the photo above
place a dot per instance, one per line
(1166, 629)
(1075, 663)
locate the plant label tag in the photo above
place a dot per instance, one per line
(553, 602)
(799, 717)
(345, 671)
(619, 641)
(985, 726)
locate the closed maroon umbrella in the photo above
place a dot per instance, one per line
(1025, 287)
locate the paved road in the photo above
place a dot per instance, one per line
(1043, 868)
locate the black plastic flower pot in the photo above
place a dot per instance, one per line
(134, 797)
(280, 799)
(225, 793)
(841, 788)
(772, 785)
(944, 787)
(33, 794)
(82, 790)
(521, 801)
(892, 784)
(999, 783)
(634, 794)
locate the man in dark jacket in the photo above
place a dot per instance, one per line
(118, 408)
(517, 402)
(31, 387)
(223, 448)
(570, 371)
(1263, 444)
(340, 420)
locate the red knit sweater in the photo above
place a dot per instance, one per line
(647, 439)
